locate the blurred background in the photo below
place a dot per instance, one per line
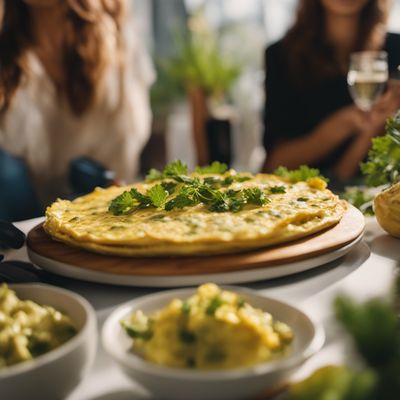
(77, 77)
(241, 30)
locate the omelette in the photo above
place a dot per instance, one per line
(209, 211)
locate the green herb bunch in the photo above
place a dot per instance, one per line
(175, 188)
(383, 165)
(301, 174)
(199, 60)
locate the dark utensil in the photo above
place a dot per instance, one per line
(1, 257)
(20, 272)
(10, 236)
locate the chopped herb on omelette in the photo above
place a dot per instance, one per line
(175, 212)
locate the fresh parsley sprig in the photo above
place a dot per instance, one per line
(303, 173)
(172, 170)
(176, 189)
(215, 168)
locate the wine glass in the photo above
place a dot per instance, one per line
(367, 77)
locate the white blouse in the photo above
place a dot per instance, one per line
(43, 131)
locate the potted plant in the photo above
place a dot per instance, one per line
(206, 75)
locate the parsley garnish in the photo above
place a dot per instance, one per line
(256, 196)
(215, 168)
(215, 303)
(170, 171)
(175, 168)
(154, 175)
(137, 331)
(301, 174)
(178, 190)
(277, 189)
(235, 178)
(121, 204)
(179, 201)
(158, 196)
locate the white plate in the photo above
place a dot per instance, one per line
(250, 275)
(240, 383)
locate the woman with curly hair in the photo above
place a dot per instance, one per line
(310, 117)
(74, 81)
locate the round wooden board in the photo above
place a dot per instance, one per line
(346, 231)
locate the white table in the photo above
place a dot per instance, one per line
(366, 271)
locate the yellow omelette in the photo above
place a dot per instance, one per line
(294, 211)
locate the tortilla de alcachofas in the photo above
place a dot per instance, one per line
(224, 213)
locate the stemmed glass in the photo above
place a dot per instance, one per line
(367, 77)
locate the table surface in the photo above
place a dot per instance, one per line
(365, 272)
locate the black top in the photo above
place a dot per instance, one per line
(291, 112)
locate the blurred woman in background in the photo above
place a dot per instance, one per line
(309, 116)
(74, 81)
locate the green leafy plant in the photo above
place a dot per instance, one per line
(381, 169)
(374, 327)
(199, 61)
(383, 165)
(360, 198)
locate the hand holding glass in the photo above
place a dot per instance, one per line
(367, 77)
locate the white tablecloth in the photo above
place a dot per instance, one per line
(365, 272)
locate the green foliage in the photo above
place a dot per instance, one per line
(175, 168)
(255, 196)
(331, 382)
(199, 61)
(164, 91)
(158, 196)
(171, 170)
(393, 127)
(277, 189)
(121, 204)
(300, 174)
(375, 329)
(137, 331)
(359, 198)
(383, 165)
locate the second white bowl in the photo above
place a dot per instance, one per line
(172, 383)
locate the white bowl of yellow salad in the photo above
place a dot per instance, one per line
(210, 342)
(48, 339)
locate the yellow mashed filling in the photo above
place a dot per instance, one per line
(213, 329)
(28, 330)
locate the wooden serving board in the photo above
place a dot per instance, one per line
(346, 231)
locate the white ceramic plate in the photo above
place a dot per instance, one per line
(250, 275)
(173, 383)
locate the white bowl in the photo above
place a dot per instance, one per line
(55, 374)
(173, 383)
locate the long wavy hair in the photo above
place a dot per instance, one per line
(84, 56)
(311, 57)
